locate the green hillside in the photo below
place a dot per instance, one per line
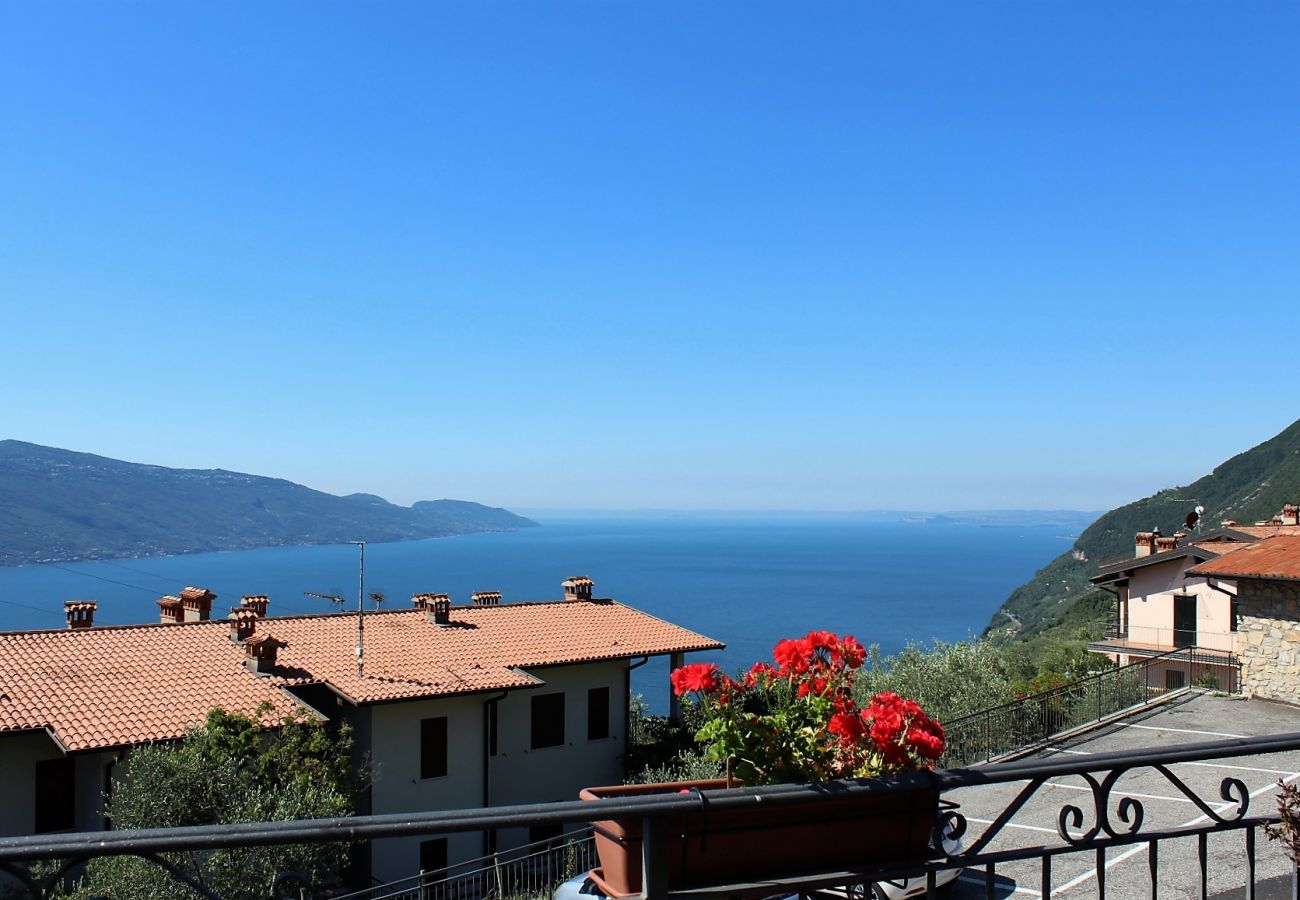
(1249, 487)
(62, 505)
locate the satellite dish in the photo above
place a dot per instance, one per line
(1193, 517)
(1200, 510)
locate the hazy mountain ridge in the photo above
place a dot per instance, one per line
(1249, 487)
(58, 505)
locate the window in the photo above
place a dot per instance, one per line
(598, 714)
(433, 854)
(56, 795)
(433, 747)
(1174, 679)
(548, 720)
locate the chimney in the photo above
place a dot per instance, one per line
(438, 608)
(256, 602)
(1228, 523)
(243, 622)
(1166, 543)
(485, 598)
(259, 653)
(196, 604)
(1146, 542)
(421, 601)
(578, 587)
(169, 610)
(80, 613)
(1290, 514)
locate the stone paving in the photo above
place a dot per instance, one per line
(1193, 718)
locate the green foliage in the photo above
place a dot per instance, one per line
(948, 679)
(690, 764)
(229, 770)
(61, 505)
(1251, 486)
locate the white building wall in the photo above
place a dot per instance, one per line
(396, 785)
(19, 754)
(521, 774)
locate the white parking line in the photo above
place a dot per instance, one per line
(1203, 765)
(1182, 730)
(1118, 793)
(1138, 848)
(1015, 888)
(1012, 825)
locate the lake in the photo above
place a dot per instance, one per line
(746, 581)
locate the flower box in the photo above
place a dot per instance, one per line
(892, 826)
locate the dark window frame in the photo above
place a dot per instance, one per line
(55, 795)
(598, 714)
(433, 855)
(433, 747)
(546, 727)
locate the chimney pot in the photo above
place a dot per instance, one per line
(1145, 543)
(437, 607)
(196, 604)
(243, 622)
(1290, 514)
(260, 652)
(256, 602)
(578, 587)
(169, 610)
(80, 613)
(485, 598)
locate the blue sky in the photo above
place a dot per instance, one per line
(676, 255)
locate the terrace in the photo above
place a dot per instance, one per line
(1161, 802)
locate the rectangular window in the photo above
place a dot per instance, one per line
(56, 795)
(597, 714)
(433, 747)
(548, 720)
(433, 855)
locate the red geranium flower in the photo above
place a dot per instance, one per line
(695, 677)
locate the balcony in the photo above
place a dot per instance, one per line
(1208, 647)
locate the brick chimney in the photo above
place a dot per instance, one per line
(256, 602)
(439, 609)
(196, 604)
(578, 587)
(243, 622)
(1290, 514)
(1164, 544)
(169, 610)
(485, 598)
(1145, 542)
(260, 651)
(80, 613)
(422, 601)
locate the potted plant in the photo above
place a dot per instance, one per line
(790, 721)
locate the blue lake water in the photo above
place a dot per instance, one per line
(745, 581)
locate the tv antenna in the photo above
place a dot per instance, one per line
(375, 597)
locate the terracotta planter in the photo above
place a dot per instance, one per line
(728, 846)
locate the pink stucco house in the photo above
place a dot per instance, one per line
(1163, 604)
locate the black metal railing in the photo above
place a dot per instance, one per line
(1035, 720)
(1114, 631)
(1109, 818)
(532, 870)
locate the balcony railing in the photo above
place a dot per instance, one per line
(1161, 638)
(1110, 818)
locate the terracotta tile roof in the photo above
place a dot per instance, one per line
(1264, 531)
(1273, 557)
(106, 687)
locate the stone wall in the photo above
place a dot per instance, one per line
(1268, 639)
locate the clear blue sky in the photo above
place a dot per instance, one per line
(691, 255)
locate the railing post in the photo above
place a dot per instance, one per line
(654, 858)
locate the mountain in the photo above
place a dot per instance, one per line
(1251, 486)
(63, 505)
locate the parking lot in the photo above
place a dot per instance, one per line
(1190, 719)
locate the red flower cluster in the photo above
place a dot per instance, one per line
(797, 719)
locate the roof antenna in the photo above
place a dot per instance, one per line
(361, 607)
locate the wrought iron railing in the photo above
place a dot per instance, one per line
(1109, 818)
(1036, 719)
